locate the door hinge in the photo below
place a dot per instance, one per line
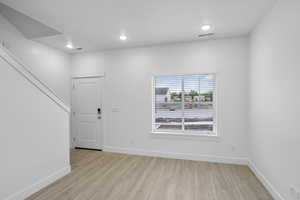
(74, 139)
(73, 86)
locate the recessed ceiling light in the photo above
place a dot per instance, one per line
(70, 46)
(123, 37)
(206, 27)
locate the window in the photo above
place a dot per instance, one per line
(184, 104)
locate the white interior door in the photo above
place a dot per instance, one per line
(87, 112)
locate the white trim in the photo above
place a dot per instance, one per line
(26, 192)
(88, 76)
(202, 135)
(14, 62)
(271, 189)
(182, 156)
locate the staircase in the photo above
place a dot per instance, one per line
(34, 131)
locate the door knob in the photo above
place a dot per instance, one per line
(99, 111)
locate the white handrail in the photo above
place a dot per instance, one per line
(16, 64)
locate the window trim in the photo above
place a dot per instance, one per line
(204, 134)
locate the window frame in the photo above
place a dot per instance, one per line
(208, 134)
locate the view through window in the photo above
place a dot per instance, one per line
(184, 103)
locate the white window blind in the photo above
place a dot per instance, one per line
(184, 104)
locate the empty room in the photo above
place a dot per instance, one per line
(149, 100)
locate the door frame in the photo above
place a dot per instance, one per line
(72, 121)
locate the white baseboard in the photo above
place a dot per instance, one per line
(275, 194)
(183, 156)
(26, 192)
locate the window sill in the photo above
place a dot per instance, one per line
(187, 135)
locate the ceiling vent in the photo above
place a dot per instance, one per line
(205, 35)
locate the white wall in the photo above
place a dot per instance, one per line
(34, 144)
(50, 65)
(274, 97)
(128, 76)
(34, 132)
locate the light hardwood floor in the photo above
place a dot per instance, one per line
(108, 176)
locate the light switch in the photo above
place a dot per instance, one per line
(115, 109)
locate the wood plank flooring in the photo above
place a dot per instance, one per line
(109, 176)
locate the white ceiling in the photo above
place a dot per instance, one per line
(97, 24)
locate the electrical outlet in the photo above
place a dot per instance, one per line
(298, 195)
(132, 143)
(233, 148)
(293, 192)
